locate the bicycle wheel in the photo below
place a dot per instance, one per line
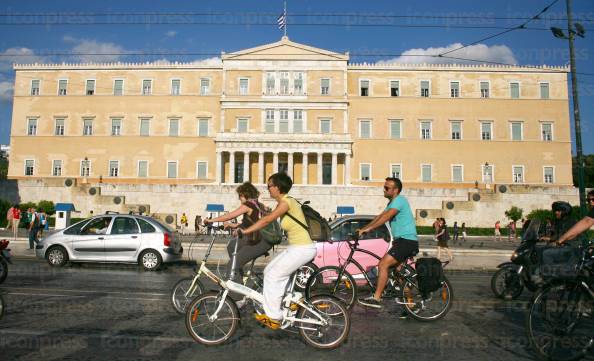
(303, 274)
(428, 307)
(325, 281)
(209, 331)
(337, 318)
(506, 283)
(180, 298)
(560, 325)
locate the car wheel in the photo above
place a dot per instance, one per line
(56, 256)
(150, 260)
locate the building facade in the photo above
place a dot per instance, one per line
(290, 107)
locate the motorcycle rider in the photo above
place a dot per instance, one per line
(562, 222)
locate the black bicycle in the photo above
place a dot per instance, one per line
(560, 322)
(402, 286)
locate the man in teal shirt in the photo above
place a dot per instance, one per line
(405, 243)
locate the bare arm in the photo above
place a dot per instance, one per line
(583, 225)
(281, 209)
(381, 219)
(231, 215)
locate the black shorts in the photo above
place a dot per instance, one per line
(402, 249)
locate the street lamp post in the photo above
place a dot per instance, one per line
(573, 30)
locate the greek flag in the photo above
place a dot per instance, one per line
(282, 21)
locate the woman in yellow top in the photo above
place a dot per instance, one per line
(300, 250)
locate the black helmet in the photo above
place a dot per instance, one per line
(563, 207)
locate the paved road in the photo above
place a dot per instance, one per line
(99, 312)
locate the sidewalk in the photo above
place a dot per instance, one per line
(465, 258)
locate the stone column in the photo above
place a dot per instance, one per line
(261, 167)
(274, 162)
(304, 179)
(246, 166)
(347, 169)
(231, 167)
(320, 169)
(290, 164)
(334, 168)
(218, 167)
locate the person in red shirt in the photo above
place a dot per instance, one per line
(16, 219)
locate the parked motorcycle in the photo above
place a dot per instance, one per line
(4, 259)
(512, 277)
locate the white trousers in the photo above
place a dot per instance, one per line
(277, 273)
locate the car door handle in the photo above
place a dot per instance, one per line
(101, 238)
(134, 236)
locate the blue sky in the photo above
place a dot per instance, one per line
(445, 23)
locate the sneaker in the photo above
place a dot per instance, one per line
(266, 321)
(370, 302)
(403, 315)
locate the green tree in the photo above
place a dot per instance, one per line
(4, 207)
(3, 168)
(588, 171)
(47, 206)
(514, 213)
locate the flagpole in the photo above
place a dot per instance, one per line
(286, 19)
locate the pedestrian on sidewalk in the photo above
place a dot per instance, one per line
(184, 223)
(9, 215)
(16, 220)
(442, 240)
(498, 231)
(33, 228)
(197, 222)
(463, 229)
(42, 223)
(509, 231)
(436, 226)
(455, 232)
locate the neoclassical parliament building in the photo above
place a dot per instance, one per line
(290, 107)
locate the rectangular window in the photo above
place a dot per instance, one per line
(484, 89)
(118, 87)
(425, 130)
(242, 125)
(544, 90)
(365, 170)
(29, 166)
(518, 174)
(284, 82)
(201, 170)
(59, 127)
(298, 83)
(457, 173)
(85, 168)
(145, 127)
(32, 126)
(394, 88)
(147, 87)
(90, 89)
(116, 127)
(364, 91)
(87, 126)
(270, 83)
(114, 168)
(171, 169)
(395, 129)
(487, 173)
(325, 86)
(203, 127)
(486, 130)
(426, 172)
(62, 87)
(175, 87)
(283, 125)
(547, 132)
(57, 168)
(173, 127)
(514, 89)
(325, 126)
(297, 121)
(396, 171)
(142, 168)
(549, 175)
(204, 86)
(516, 130)
(35, 87)
(243, 86)
(269, 121)
(365, 129)
(454, 89)
(456, 130)
(425, 88)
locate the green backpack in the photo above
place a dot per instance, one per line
(272, 233)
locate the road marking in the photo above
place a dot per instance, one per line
(86, 291)
(25, 332)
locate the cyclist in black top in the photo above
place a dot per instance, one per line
(583, 225)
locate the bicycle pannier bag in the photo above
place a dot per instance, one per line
(429, 274)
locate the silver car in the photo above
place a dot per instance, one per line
(112, 237)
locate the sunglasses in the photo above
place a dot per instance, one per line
(387, 188)
(270, 186)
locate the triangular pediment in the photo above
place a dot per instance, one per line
(285, 49)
